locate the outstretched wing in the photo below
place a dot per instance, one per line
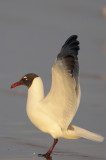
(63, 99)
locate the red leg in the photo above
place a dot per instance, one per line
(50, 150)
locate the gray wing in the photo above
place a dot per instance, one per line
(64, 97)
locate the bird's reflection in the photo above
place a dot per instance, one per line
(48, 158)
(43, 157)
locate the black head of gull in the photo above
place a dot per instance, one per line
(25, 80)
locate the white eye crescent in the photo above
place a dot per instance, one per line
(25, 78)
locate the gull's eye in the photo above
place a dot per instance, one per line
(25, 78)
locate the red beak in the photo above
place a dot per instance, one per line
(16, 84)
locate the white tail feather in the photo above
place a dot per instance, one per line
(75, 132)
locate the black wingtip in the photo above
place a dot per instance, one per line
(70, 47)
(69, 55)
(72, 42)
(71, 39)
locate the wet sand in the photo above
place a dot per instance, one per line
(31, 35)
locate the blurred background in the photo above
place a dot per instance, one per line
(31, 35)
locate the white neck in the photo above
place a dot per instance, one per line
(35, 92)
(35, 96)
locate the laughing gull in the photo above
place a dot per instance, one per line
(53, 113)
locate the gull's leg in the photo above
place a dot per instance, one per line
(46, 155)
